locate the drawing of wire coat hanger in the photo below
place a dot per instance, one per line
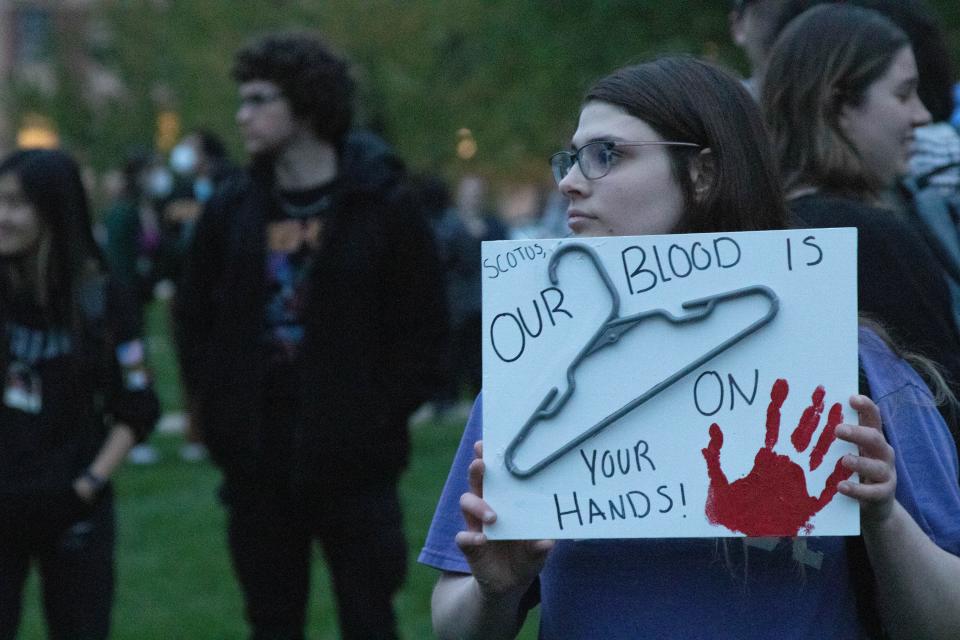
(612, 329)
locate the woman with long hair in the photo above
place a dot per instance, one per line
(705, 166)
(76, 397)
(840, 99)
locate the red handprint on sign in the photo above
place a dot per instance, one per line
(772, 499)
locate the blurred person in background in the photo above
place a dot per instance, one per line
(133, 225)
(76, 397)
(929, 199)
(754, 27)
(840, 100)
(201, 165)
(310, 322)
(553, 217)
(936, 149)
(134, 241)
(459, 234)
(430, 196)
(930, 195)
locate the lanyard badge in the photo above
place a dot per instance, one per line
(23, 389)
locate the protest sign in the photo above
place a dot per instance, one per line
(669, 386)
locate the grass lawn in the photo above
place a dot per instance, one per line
(174, 576)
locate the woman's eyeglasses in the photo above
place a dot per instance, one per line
(597, 158)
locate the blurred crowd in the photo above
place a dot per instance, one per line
(324, 297)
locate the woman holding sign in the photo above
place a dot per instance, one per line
(76, 397)
(670, 146)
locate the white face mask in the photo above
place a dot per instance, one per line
(183, 159)
(159, 182)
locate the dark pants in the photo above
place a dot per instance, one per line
(464, 361)
(271, 535)
(75, 563)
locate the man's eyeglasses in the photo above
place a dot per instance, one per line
(597, 158)
(259, 99)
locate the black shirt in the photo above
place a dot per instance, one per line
(899, 282)
(58, 390)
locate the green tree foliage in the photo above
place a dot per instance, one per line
(512, 71)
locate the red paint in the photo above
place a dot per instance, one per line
(772, 499)
(827, 437)
(809, 420)
(777, 395)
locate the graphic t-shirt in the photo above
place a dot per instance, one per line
(44, 434)
(730, 588)
(29, 348)
(293, 237)
(56, 397)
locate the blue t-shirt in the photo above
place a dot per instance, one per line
(730, 588)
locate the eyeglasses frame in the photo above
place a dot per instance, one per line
(575, 155)
(258, 100)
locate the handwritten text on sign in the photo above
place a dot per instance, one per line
(669, 386)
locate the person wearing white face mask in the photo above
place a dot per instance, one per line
(183, 157)
(200, 165)
(193, 188)
(201, 160)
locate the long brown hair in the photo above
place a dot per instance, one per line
(67, 255)
(825, 60)
(685, 99)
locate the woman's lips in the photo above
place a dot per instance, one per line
(576, 213)
(577, 220)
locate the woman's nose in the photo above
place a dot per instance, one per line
(574, 182)
(921, 115)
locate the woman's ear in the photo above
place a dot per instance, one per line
(703, 172)
(845, 115)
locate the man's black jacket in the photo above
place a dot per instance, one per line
(375, 324)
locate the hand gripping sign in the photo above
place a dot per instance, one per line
(634, 386)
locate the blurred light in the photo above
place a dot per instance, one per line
(466, 149)
(466, 144)
(37, 132)
(168, 130)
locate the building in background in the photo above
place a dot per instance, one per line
(41, 43)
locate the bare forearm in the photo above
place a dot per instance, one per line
(114, 450)
(918, 583)
(461, 612)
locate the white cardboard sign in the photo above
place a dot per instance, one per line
(765, 349)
